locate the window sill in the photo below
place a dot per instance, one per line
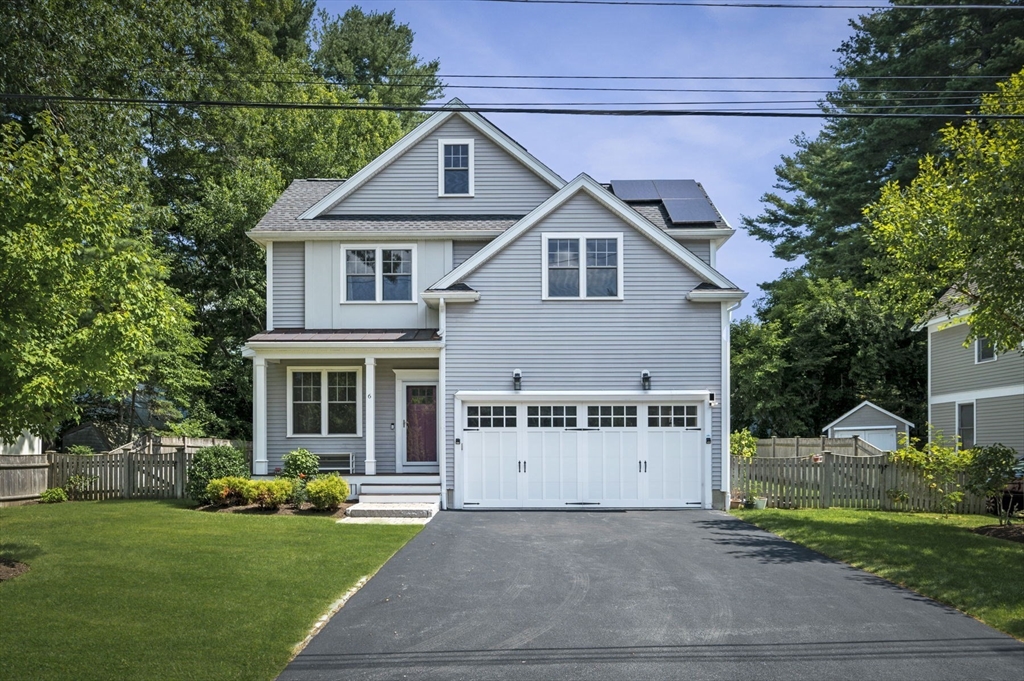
(349, 436)
(580, 299)
(379, 302)
(454, 196)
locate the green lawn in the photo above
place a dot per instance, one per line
(935, 556)
(150, 589)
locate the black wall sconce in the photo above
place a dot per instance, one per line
(645, 379)
(517, 379)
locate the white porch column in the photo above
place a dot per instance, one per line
(369, 381)
(259, 416)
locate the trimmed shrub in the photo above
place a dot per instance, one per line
(268, 494)
(53, 495)
(300, 463)
(327, 492)
(228, 491)
(211, 463)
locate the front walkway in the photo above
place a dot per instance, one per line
(638, 595)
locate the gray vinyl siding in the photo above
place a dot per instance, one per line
(943, 419)
(866, 416)
(584, 345)
(278, 442)
(701, 249)
(1001, 419)
(409, 184)
(954, 370)
(324, 279)
(289, 260)
(462, 250)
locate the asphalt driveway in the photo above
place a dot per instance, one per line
(638, 595)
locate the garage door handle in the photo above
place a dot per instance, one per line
(519, 466)
(639, 466)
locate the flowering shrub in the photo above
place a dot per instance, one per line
(327, 492)
(300, 462)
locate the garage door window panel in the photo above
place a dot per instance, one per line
(673, 416)
(551, 416)
(491, 416)
(611, 416)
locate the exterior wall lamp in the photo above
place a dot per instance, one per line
(645, 379)
(517, 379)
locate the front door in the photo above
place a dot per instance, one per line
(421, 425)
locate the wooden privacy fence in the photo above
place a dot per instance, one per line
(149, 468)
(22, 477)
(789, 447)
(871, 482)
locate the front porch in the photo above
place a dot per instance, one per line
(374, 404)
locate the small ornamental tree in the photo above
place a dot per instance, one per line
(988, 474)
(743, 446)
(300, 463)
(940, 460)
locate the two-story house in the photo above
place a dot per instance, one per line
(459, 320)
(973, 392)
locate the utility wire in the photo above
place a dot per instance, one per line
(185, 103)
(746, 5)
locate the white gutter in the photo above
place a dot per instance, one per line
(727, 401)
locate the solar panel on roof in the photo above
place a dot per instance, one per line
(690, 210)
(678, 189)
(635, 190)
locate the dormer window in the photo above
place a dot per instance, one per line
(455, 167)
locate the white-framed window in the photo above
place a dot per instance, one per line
(582, 265)
(378, 273)
(965, 424)
(984, 351)
(325, 401)
(455, 167)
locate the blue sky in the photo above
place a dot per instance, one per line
(733, 158)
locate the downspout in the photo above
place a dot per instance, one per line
(727, 402)
(443, 402)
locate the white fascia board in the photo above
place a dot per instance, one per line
(325, 350)
(711, 296)
(584, 182)
(266, 237)
(845, 428)
(583, 395)
(866, 403)
(434, 298)
(419, 133)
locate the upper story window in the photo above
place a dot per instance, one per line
(582, 266)
(984, 350)
(323, 401)
(379, 274)
(455, 167)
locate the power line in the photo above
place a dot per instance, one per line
(746, 5)
(185, 103)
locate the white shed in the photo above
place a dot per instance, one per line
(870, 423)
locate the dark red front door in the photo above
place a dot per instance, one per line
(421, 424)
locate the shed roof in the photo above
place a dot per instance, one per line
(870, 405)
(345, 335)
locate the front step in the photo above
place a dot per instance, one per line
(394, 509)
(399, 488)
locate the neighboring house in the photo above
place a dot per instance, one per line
(872, 424)
(972, 391)
(26, 445)
(456, 316)
(86, 434)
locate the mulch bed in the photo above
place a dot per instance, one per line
(9, 569)
(253, 509)
(1008, 532)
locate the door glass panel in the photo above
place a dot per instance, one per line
(421, 423)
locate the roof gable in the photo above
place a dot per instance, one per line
(584, 183)
(869, 405)
(454, 109)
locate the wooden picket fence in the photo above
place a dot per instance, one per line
(149, 468)
(826, 480)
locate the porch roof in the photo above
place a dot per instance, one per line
(345, 335)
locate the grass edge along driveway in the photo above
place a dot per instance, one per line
(152, 589)
(937, 557)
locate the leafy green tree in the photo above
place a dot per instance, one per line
(940, 461)
(84, 301)
(957, 227)
(988, 474)
(371, 55)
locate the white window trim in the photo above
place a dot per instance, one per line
(440, 168)
(582, 237)
(956, 421)
(323, 400)
(378, 273)
(977, 354)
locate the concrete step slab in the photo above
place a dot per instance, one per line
(393, 510)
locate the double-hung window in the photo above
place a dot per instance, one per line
(582, 266)
(984, 351)
(376, 274)
(455, 167)
(324, 401)
(965, 424)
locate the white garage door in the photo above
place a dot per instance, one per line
(580, 455)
